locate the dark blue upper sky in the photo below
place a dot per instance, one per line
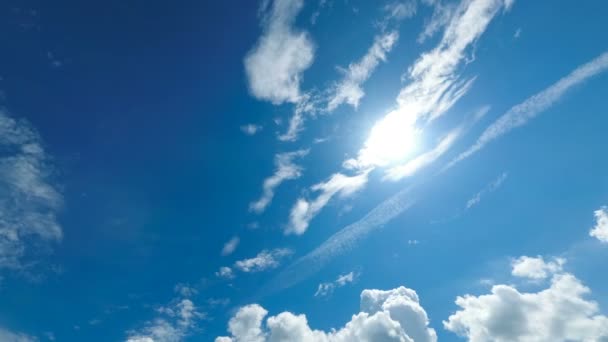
(187, 170)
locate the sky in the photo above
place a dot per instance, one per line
(290, 170)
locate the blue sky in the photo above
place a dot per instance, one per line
(289, 170)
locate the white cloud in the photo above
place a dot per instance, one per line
(9, 336)
(185, 290)
(558, 313)
(304, 211)
(342, 241)
(536, 267)
(394, 315)
(348, 90)
(29, 202)
(520, 114)
(493, 186)
(326, 289)
(517, 33)
(225, 272)
(600, 231)
(399, 10)
(275, 65)
(442, 14)
(251, 129)
(266, 259)
(174, 322)
(285, 169)
(230, 246)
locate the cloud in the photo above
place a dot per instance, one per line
(341, 242)
(9, 336)
(393, 315)
(600, 231)
(174, 322)
(493, 186)
(558, 313)
(29, 202)
(251, 129)
(442, 14)
(520, 114)
(304, 211)
(185, 290)
(225, 272)
(275, 65)
(326, 289)
(266, 259)
(536, 267)
(230, 246)
(399, 10)
(285, 169)
(348, 90)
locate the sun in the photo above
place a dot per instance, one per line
(391, 140)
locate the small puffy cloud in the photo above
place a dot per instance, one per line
(251, 129)
(285, 169)
(230, 246)
(266, 259)
(185, 290)
(275, 65)
(304, 211)
(394, 315)
(326, 289)
(9, 336)
(175, 321)
(600, 231)
(558, 313)
(536, 267)
(225, 272)
(29, 201)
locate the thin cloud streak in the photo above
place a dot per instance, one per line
(493, 186)
(520, 114)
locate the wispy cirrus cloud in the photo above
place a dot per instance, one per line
(29, 201)
(305, 210)
(10, 336)
(230, 246)
(520, 114)
(285, 169)
(275, 65)
(349, 90)
(493, 186)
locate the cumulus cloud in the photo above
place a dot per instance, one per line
(185, 290)
(493, 186)
(325, 289)
(536, 267)
(600, 231)
(225, 272)
(29, 201)
(394, 315)
(285, 169)
(558, 313)
(251, 129)
(349, 90)
(520, 114)
(9, 336)
(275, 65)
(266, 259)
(230, 246)
(304, 210)
(174, 322)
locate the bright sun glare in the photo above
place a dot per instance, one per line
(391, 140)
